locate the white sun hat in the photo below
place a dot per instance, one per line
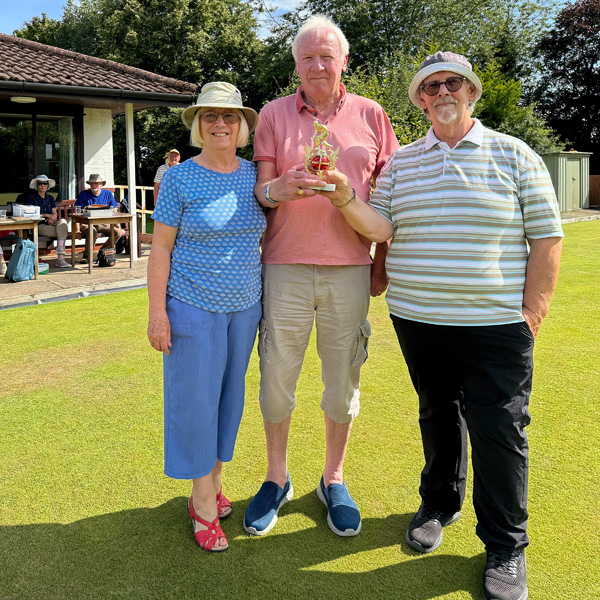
(443, 61)
(44, 178)
(220, 94)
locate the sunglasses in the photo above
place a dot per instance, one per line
(42, 183)
(453, 84)
(229, 118)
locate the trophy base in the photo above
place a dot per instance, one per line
(329, 187)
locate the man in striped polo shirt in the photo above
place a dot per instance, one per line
(467, 298)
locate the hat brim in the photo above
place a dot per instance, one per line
(33, 183)
(187, 116)
(413, 90)
(96, 181)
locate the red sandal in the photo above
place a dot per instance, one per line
(224, 505)
(207, 538)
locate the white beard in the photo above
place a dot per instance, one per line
(447, 113)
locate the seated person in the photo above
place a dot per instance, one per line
(2, 262)
(96, 195)
(52, 226)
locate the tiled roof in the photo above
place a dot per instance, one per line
(32, 62)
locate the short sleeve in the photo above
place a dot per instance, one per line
(81, 200)
(264, 137)
(537, 197)
(388, 144)
(381, 199)
(169, 206)
(159, 174)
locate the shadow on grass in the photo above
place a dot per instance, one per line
(150, 553)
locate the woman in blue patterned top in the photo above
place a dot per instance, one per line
(204, 289)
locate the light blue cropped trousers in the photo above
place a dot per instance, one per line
(204, 385)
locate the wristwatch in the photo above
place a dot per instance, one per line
(267, 197)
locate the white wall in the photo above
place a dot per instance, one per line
(98, 147)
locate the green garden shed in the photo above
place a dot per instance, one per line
(570, 173)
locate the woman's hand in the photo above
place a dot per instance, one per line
(159, 332)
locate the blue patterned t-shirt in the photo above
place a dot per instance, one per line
(215, 263)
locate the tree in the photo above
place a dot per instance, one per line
(377, 29)
(569, 89)
(77, 31)
(500, 109)
(40, 29)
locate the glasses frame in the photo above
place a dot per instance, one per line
(438, 84)
(229, 118)
(43, 183)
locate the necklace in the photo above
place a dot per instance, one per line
(215, 167)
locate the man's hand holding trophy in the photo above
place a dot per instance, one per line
(321, 157)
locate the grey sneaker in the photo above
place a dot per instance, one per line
(505, 576)
(61, 262)
(425, 529)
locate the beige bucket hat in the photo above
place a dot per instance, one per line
(443, 61)
(44, 178)
(96, 178)
(219, 94)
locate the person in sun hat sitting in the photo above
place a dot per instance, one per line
(52, 226)
(97, 195)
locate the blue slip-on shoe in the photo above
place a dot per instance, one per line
(343, 516)
(261, 514)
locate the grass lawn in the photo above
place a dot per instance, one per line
(86, 513)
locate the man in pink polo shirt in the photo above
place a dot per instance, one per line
(315, 266)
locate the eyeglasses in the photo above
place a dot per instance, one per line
(229, 118)
(42, 183)
(453, 84)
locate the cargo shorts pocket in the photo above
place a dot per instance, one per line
(263, 341)
(361, 352)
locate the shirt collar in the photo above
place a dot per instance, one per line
(300, 103)
(474, 135)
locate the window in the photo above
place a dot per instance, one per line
(31, 145)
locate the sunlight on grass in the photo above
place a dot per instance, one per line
(87, 513)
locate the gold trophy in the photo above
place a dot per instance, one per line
(321, 158)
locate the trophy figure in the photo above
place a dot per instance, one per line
(321, 158)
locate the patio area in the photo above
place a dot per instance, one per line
(65, 284)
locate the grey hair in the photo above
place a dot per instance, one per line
(320, 23)
(197, 141)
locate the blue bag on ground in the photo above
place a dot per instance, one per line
(22, 262)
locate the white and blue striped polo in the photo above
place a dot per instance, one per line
(461, 219)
